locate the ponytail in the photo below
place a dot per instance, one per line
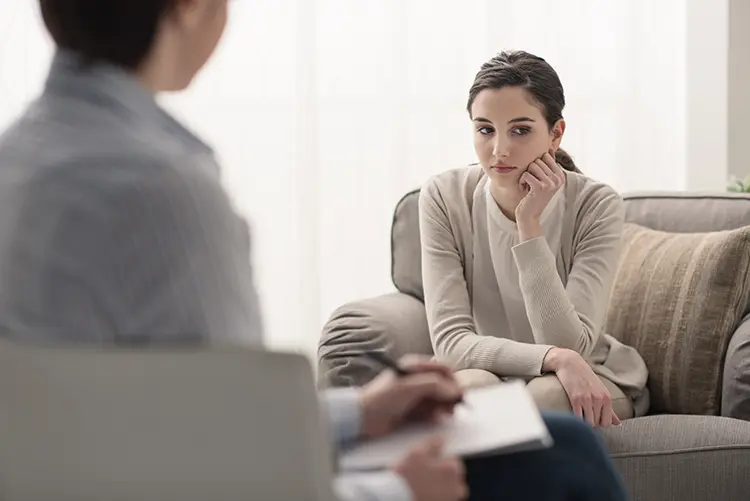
(565, 161)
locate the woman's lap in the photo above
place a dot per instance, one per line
(476, 378)
(547, 391)
(549, 395)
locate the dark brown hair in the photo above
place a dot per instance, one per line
(121, 32)
(530, 72)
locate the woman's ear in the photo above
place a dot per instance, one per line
(558, 130)
(188, 14)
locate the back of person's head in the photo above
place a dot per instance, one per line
(126, 33)
(116, 31)
(537, 77)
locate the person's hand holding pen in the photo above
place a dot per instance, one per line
(415, 389)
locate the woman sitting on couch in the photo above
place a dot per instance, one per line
(519, 255)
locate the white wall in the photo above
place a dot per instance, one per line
(324, 112)
(25, 53)
(707, 94)
(739, 88)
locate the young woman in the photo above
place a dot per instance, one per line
(519, 253)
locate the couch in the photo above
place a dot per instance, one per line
(664, 456)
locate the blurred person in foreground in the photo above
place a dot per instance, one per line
(114, 228)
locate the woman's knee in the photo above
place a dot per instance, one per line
(476, 378)
(548, 394)
(622, 405)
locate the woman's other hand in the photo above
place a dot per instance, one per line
(588, 396)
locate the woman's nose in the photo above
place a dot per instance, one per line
(500, 150)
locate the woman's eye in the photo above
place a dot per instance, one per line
(485, 130)
(520, 131)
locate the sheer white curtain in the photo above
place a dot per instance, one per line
(325, 112)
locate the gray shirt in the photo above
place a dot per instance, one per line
(113, 224)
(114, 228)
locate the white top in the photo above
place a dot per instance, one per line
(502, 238)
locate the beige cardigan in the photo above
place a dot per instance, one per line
(565, 290)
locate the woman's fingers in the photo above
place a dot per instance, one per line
(577, 409)
(598, 408)
(533, 183)
(554, 167)
(607, 418)
(541, 172)
(615, 418)
(544, 174)
(589, 413)
(546, 168)
(582, 407)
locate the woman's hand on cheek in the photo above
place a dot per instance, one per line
(540, 182)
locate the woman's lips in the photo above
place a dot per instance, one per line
(503, 169)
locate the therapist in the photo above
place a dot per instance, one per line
(115, 229)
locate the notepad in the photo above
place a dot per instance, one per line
(498, 419)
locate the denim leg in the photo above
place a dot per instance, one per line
(577, 467)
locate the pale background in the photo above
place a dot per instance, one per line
(325, 112)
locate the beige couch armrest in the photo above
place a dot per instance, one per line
(394, 323)
(735, 391)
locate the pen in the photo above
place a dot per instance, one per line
(383, 359)
(386, 361)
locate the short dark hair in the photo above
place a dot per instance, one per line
(536, 76)
(115, 31)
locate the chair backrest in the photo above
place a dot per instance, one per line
(158, 424)
(676, 212)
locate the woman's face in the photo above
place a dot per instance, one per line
(510, 132)
(198, 26)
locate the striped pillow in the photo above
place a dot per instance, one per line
(677, 299)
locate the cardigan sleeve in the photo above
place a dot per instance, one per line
(572, 316)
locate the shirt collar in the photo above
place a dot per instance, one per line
(509, 226)
(118, 89)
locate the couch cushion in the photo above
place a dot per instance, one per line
(678, 212)
(677, 298)
(685, 458)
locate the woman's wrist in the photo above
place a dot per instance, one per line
(556, 358)
(529, 229)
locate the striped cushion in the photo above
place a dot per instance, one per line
(677, 299)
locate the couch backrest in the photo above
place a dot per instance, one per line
(688, 212)
(676, 212)
(406, 253)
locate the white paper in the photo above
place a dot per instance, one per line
(495, 419)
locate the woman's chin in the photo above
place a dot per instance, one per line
(503, 178)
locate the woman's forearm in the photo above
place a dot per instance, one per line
(552, 315)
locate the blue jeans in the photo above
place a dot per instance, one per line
(576, 467)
